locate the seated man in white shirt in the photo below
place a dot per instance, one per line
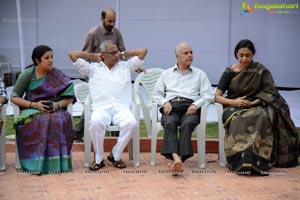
(110, 92)
(181, 90)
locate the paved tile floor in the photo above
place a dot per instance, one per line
(149, 182)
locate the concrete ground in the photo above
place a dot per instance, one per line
(148, 182)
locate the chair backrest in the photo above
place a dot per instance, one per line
(148, 80)
(81, 91)
(5, 67)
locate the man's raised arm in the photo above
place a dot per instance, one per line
(140, 53)
(74, 55)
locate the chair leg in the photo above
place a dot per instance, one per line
(87, 149)
(153, 146)
(135, 142)
(130, 149)
(201, 136)
(2, 151)
(222, 156)
(136, 149)
(17, 159)
(200, 132)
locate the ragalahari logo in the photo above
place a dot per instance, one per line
(271, 8)
(246, 8)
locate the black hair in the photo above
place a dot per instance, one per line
(38, 52)
(103, 13)
(244, 44)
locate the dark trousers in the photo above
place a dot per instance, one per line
(177, 117)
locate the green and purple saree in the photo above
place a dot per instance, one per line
(44, 139)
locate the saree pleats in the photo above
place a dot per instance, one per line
(45, 143)
(249, 140)
(45, 139)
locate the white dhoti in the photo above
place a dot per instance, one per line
(101, 118)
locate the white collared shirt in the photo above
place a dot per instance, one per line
(109, 88)
(194, 84)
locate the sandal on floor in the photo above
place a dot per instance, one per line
(116, 163)
(94, 166)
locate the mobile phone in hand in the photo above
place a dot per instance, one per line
(49, 104)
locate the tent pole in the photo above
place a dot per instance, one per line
(20, 28)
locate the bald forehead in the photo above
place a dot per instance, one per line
(109, 12)
(183, 47)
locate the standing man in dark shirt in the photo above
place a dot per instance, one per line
(104, 31)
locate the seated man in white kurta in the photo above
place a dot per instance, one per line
(110, 92)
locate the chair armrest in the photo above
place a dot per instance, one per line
(70, 108)
(87, 107)
(219, 106)
(219, 113)
(16, 111)
(203, 113)
(154, 113)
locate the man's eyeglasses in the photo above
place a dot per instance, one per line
(112, 52)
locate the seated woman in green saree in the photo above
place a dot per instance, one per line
(44, 131)
(255, 140)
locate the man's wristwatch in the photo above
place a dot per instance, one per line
(123, 55)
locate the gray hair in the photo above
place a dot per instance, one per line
(103, 46)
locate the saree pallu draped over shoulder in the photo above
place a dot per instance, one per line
(254, 142)
(45, 139)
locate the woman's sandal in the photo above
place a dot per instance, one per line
(118, 164)
(94, 166)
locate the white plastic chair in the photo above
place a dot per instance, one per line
(200, 131)
(81, 91)
(133, 146)
(3, 139)
(146, 82)
(222, 157)
(16, 110)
